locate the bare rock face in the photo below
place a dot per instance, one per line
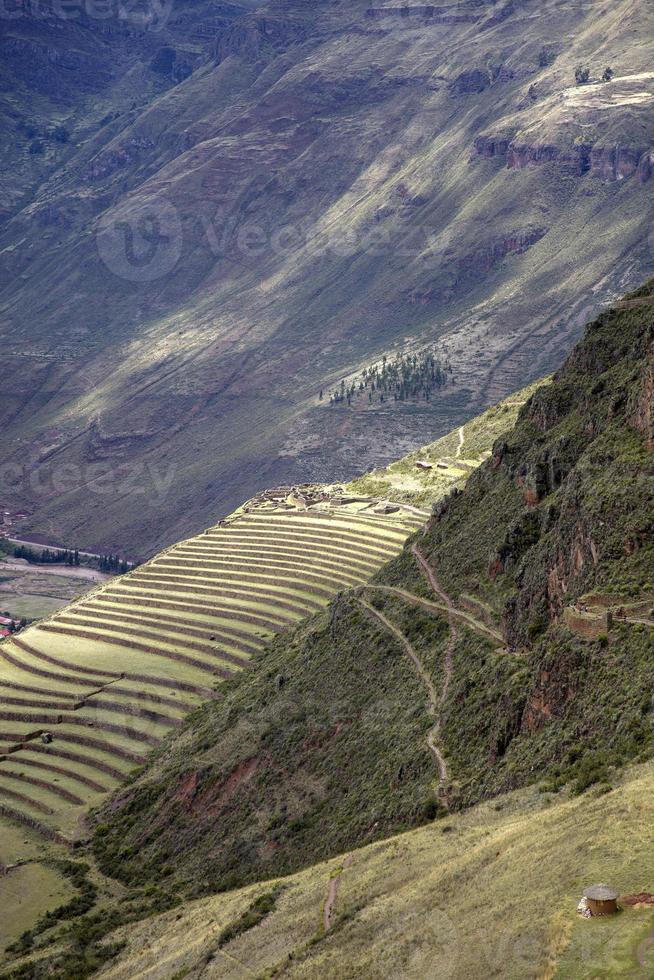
(491, 146)
(575, 161)
(645, 166)
(551, 695)
(618, 162)
(608, 163)
(516, 242)
(116, 158)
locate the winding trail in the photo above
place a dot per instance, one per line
(638, 621)
(447, 607)
(435, 701)
(465, 618)
(461, 441)
(449, 652)
(332, 894)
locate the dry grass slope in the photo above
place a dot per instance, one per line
(494, 896)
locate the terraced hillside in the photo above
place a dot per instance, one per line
(510, 642)
(112, 674)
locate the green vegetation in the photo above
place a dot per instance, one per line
(495, 895)
(46, 556)
(87, 693)
(405, 377)
(77, 874)
(509, 644)
(31, 883)
(429, 473)
(582, 75)
(562, 509)
(290, 770)
(257, 911)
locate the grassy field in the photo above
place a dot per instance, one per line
(493, 890)
(34, 592)
(31, 888)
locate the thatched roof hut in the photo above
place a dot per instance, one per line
(601, 899)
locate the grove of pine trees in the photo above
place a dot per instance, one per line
(404, 378)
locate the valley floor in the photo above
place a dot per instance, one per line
(37, 591)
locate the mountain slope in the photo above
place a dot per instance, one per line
(210, 220)
(494, 896)
(514, 636)
(116, 671)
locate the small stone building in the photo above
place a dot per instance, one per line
(601, 900)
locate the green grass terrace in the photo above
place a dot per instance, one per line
(115, 672)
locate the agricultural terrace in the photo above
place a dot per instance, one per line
(109, 676)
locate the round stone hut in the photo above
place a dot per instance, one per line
(601, 900)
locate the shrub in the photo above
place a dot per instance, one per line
(60, 134)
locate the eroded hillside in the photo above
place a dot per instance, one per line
(213, 216)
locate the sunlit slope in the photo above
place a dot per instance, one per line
(495, 896)
(112, 674)
(340, 185)
(431, 471)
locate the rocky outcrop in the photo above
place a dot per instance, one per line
(607, 163)
(116, 158)
(545, 412)
(249, 37)
(645, 166)
(474, 264)
(491, 254)
(469, 82)
(575, 160)
(491, 146)
(557, 684)
(619, 162)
